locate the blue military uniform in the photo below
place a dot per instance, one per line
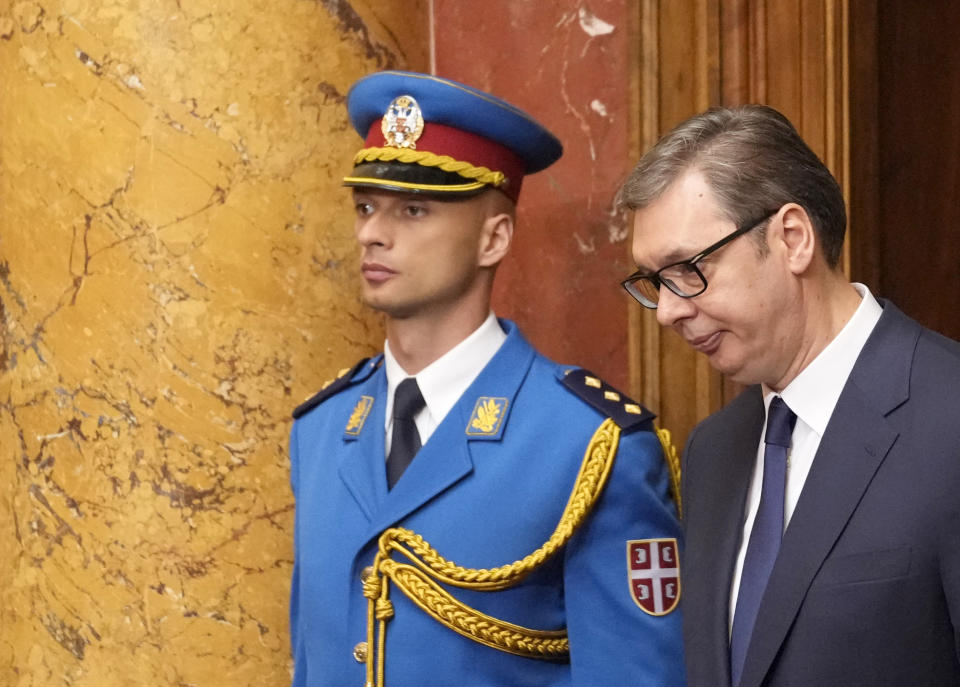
(488, 488)
(531, 540)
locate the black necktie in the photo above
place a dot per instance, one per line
(405, 441)
(766, 533)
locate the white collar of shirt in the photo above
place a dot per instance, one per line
(812, 395)
(443, 381)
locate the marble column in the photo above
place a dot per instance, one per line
(177, 272)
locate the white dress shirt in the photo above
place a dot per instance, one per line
(812, 395)
(443, 381)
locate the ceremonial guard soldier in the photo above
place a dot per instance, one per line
(469, 512)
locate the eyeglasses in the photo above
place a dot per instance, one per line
(683, 278)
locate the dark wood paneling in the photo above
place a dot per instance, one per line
(688, 77)
(791, 55)
(863, 230)
(919, 86)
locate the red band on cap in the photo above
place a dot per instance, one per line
(463, 146)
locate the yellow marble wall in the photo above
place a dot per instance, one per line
(177, 271)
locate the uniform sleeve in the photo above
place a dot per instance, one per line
(296, 634)
(613, 641)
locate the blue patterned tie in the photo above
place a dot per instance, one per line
(766, 534)
(405, 441)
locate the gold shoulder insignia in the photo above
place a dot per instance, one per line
(623, 410)
(628, 415)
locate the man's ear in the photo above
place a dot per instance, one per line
(495, 239)
(798, 238)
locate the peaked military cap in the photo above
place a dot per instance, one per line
(426, 134)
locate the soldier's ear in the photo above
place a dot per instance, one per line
(495, 239)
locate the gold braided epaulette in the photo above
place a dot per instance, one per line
(421, 577)
(672, 459)
(628, 414)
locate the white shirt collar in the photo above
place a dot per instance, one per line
(444, 381)
(813, 393)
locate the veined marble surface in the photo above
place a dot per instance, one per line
(177, 272)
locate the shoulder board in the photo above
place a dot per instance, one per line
(346, 377)
(627, 413)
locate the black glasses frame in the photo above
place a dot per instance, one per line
(690, 264)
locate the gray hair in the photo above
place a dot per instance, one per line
(754, 161)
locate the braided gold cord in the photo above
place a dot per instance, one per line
(594, 471)
(428, 159)
(673, 464)
(469, 622)
(372, 588)
(419, 579)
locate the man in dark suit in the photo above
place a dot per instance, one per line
(822, 506)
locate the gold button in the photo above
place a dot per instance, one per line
(366, 573)
(360, 652)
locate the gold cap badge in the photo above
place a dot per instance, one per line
(402, 124)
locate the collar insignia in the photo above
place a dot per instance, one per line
(402, 124)
(359, 415)
(487, 416)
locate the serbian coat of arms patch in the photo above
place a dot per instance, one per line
(653, 571)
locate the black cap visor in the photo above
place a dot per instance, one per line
(406, 177)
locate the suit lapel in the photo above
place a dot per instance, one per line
(850, 453)
(720, 499)
(446, 458)
(855, 443)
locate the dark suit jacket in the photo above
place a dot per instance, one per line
(866, 588)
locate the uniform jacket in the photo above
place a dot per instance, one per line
(866, 587)
(482, 500)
